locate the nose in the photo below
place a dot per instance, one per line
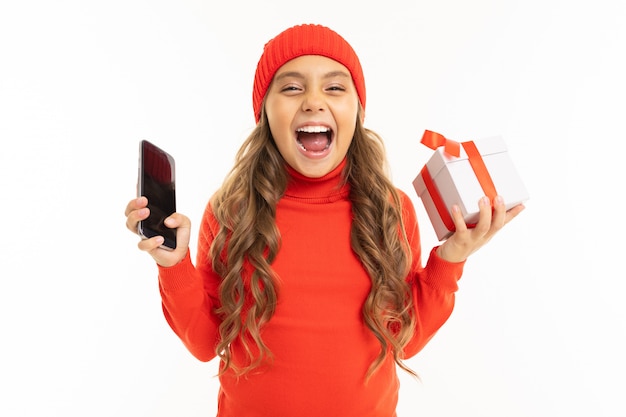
(313, 101)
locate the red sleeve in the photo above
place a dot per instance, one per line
(433, 286)
(189, 296)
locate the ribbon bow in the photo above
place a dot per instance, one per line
(434, 140)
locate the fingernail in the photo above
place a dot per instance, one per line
(499, 199)
(485, 201)
(159, 240)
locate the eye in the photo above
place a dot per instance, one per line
(290, 88)
(335, 88)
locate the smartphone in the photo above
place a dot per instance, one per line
(157, 182)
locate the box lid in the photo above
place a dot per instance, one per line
(486, 146)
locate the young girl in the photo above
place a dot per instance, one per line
(308, 283)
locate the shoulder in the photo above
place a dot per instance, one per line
(409, 216)
(209, 224)
(406, 202)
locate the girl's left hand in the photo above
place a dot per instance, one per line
(466, 241)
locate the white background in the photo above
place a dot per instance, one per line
(539, 326)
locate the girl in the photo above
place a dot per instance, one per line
(308, 282)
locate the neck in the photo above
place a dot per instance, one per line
(328, 187)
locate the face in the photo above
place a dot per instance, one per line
(312, 108)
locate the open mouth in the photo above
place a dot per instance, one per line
(314, 138)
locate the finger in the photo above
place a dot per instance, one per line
(499, 214)
(177, 220)
(135, 216)
(135, 204)
(484, 216)
(166, 257)
(149, 245)
(513, 212)
(173, 221)
(457, 218)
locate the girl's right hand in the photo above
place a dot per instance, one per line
(137, 210)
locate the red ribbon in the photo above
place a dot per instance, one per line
(481, 171)
(435, 140)
(435, 195)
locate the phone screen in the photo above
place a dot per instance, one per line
(157, 183)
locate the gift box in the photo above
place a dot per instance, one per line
(462, 173)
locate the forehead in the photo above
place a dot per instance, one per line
(307, 65)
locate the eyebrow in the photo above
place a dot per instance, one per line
(296, 74)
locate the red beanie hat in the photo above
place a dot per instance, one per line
(304, 40)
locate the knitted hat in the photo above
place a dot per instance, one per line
(301, 40)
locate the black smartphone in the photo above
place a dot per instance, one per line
(157, 182)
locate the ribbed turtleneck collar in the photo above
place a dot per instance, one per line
(317, 190)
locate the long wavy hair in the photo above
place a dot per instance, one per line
(248, 240)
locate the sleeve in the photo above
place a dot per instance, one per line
(189, 296)
(433, 286)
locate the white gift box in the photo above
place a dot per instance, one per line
(447, 180)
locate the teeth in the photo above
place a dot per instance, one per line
(313, 129)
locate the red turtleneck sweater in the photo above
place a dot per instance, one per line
(321, 347)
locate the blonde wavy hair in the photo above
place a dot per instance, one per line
(245, 208)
